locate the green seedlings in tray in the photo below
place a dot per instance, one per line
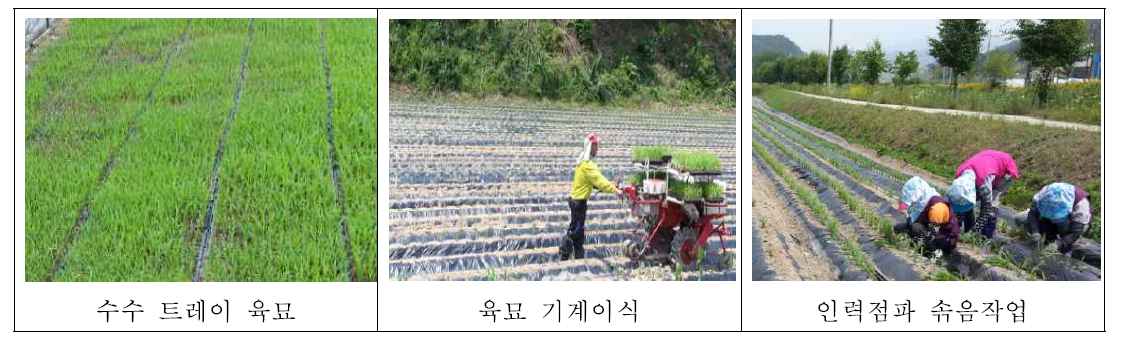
(637, 178)
(651, 153)
(684, 190)
(695, 161)
(711, 191)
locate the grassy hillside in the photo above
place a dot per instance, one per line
(631, 62)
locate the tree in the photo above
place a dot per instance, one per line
(873, 63)
(814, 67)
(842, 58)
(905, 65)
(1000, 66)
(1048, 44)
(958, 44)
(856, 66)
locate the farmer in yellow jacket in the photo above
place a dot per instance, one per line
(587, 178)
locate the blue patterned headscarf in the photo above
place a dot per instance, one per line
(914, 197)
(1055, 201)
(963, 194)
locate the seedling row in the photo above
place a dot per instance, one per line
(864, 191)
(275, 214)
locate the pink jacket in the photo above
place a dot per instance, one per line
(990, 162)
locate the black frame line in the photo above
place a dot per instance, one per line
(1102, 67)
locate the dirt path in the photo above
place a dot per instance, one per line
(981, 115)
(785, 242)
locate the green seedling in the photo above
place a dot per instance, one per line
(637, 178)
(276, 219)
(711, 190)
(696, 161)
(651, 153)
(821, 212)
(684, 190)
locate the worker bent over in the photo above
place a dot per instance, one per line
(586, 179)
(989, 174)
(929, 220)
(1060, 212)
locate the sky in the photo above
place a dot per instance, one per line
(894, 35)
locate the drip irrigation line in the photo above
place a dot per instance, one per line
(213, 195)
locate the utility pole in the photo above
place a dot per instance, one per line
(829, 71)
(988, 46)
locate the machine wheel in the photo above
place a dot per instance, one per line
(684, 250)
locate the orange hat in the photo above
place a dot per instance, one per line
(939, 213)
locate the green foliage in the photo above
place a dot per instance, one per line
(872, 63)
(957, 45)
(651, 153)
(905, 65)
(999, 261)
(1072, 102)
(1049, 44)
(622, 82)
(678, 62)
(684, 190)
(711, 190)
(637, 178)
(276, 219)
(696, 161)
(808, 69)
(999, 66)
(945, 275)
(584, 32)
(842, 60)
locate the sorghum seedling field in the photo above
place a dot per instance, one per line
(202, 149)
(480, 192)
